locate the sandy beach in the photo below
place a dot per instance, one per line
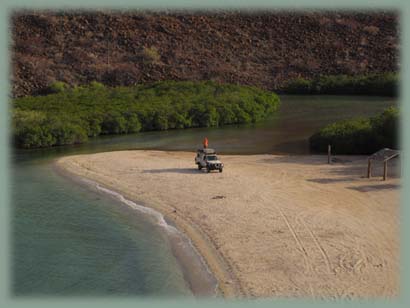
(270, 225)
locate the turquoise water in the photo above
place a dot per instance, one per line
(69, 238)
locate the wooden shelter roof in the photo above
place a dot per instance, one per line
(384, 154)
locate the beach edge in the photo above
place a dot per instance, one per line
(227, 283)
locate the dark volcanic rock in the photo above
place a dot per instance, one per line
(261, 49)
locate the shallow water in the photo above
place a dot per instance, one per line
(68, 239)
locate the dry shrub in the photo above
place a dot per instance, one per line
(151, 55)
(371, 30)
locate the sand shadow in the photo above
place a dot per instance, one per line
(174, 170)
(316, 159)
(332, 180)
(376, 187)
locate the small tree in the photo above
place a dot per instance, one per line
(299, 86)
(95, 85)
(133, 124)
(58, 87)
(114, 123)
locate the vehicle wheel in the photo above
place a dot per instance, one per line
(220, 170)
(199, 167)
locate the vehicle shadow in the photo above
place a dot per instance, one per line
(175, 170)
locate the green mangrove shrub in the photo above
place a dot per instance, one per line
(382, 84)
(359, 136)
(72, 115)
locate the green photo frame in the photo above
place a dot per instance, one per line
(7, 7)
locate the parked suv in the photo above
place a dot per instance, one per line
(207, 158)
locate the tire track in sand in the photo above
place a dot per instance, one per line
(301, 248)
(318, 245)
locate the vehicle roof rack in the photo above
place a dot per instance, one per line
(207, 151)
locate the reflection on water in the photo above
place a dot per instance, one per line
(285, 132)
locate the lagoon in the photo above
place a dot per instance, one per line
(68, 239)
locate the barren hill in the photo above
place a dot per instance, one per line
(262, 49)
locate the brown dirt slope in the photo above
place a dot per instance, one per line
(261, 49)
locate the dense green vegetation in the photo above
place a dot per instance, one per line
(384, 84)
(359, 136)
(71, 115)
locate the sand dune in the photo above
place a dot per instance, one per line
(282, 226)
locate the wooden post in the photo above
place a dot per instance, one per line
(329, 151)
(385, 171)
(369, 168)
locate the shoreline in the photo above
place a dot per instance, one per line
(226, 286)
(274, 225)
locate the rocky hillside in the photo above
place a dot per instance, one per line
(261, 49)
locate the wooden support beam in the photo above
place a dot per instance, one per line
(329, 152)
(385, 171)
(369, 168)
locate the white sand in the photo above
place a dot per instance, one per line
(285, 226)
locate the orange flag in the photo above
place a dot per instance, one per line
(205, 142)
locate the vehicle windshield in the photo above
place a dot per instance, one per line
(211, 157)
